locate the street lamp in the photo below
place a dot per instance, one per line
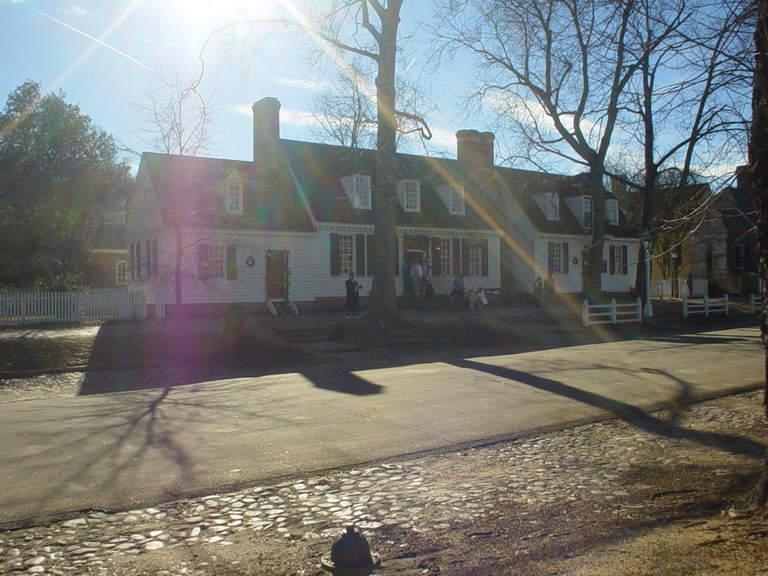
(647, 241)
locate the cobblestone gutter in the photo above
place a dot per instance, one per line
(553, 486)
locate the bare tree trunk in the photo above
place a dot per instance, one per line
(593, 260)
(177, 268)
(384, 299)
(758, 157)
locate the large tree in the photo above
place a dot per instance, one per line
(688, 106)
(369, 29)
(59, 175)
(758, 158)
(557, 71)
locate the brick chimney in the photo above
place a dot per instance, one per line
(266, 130)
(743, 178)
(475, 149)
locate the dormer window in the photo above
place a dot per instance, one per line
(358, 189)
(362, 194)
(457, 201)
(612, 211)
(234, 198)
(587, 218)
(409, 194)
(552, 204)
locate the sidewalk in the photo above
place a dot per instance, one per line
(275, 342)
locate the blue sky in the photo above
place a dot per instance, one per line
(106, 55)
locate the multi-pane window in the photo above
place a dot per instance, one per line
(217, 258)
(457, 200)
(445, 255)
(556, 262)
(553, 206)
(475, 260)
(121, 272)
(346, 253)
(235, 199)
(410, 196)
(612, 211)
(361, 197)
(587, 211)
(557, 258)
(618, 260)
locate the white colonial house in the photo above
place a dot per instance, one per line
(282, 232)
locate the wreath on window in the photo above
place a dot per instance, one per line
(250, 262)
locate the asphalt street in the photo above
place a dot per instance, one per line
(124, 450)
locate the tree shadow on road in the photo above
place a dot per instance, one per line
(626, 412)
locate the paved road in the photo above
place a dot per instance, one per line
(123, 450)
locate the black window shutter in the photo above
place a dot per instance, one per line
(335, 268)
(464, 255)
(149, 258)
(138, 259)
(624, 255)
(397, 256)
(456, 257)
(369, 255)
(612, 265)
(436, 271)
(360, 254)
(566, 258)
(484, 257)
(154, 255)
(133, 260)
(231, 262)
(203, 270)
(550, 258)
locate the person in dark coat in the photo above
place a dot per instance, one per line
(353, 295)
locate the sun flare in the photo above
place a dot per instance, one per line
(202, 15)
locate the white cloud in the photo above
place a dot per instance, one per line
(74, 11)
(306, 83)
(301, 118)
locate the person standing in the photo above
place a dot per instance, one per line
(417, 273)
(353, 295)
(549, 290)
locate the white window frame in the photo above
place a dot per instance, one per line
(121, 272)
(552, 202)
(446, 256)
(410, 195)
(612, 211)
(458, 204)
(346, 254)
(475, 263)
(588, 213)
(557, 258)
(361, 192)
(217, 260)
(618, 261)
(234, 198)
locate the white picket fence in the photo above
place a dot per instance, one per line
(612, 313)
(705, 306)
(26, 308)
